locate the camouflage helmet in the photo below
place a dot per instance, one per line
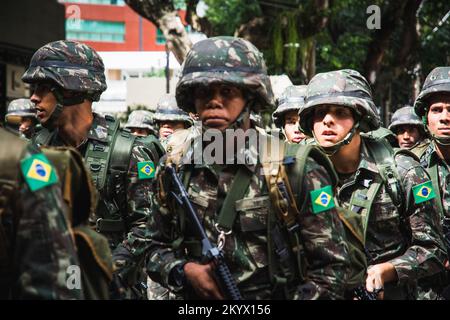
(292, 98)
(437, 81)
(20, 108)
(405, 116)
(167, 110)
(140, 119)
(345, 88)
(71, 65)
(224, 60)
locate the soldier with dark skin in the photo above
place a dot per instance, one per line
(21, 115)
(37, 248)
(230, 82)
(286, 117)
(66, 77)
(408, 127)
(433, 106)
(402, 237)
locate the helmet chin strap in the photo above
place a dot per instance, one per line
(52, 121)
(331, 150)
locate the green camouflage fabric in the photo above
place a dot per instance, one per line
(428, 160)
(167, 110)
(140, 119)
(405, 116)
(293, 98)
(224, 60)
(246, 249)
(438, 80)
(408, 237)
(345, 88)
(39, 243)
(71, 65)
(21, 107)
(384, 133)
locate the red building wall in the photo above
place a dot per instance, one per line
(119, 14)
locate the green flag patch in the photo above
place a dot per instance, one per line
(423, 192)
(38, 172)
(322, 199)
(146, 170)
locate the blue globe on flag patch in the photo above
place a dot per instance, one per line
(146, 170)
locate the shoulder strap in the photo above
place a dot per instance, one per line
(98, 155)
(121, 151)
(384, 154)
(237, 191)
(42, 138)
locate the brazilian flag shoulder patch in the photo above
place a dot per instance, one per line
(322, 199)
(423, 192)
(38, 172)
(146, 170)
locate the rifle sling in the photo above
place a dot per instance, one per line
(238, 188)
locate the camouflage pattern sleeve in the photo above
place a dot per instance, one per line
(44, 247)
(426, 253)
(130, 253)
(324, 242)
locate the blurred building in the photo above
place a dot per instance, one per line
(132, 48)
(25, 26)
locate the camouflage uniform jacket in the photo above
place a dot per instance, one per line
(246, 250)
(431, 161)
(409, 239)
(137, 191)
(39, 244)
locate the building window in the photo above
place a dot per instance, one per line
(90, 30)
(107, 2)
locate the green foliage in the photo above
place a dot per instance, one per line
(292, 42)
(228, 15)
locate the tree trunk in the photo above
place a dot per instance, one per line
(163, 15)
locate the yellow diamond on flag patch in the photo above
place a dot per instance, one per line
(39, 170)
(146, 170)
(322, 199)
(423, 192)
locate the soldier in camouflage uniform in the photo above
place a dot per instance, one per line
(408, 128)
(140, 123)
(223, 79)
(21, 116)
(285, 116)
(66, 78)
(169, 118)
(36, 247)
(391, 192)
(433, 106)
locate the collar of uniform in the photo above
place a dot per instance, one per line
(367, 162)
(433, 157)
(99, 129)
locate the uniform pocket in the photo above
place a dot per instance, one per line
(253, 213)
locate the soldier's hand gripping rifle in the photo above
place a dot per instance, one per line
(210, 252)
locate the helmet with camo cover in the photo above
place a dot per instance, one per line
(405, 116)
(292, 98)
(140, 119)
(167, 110)
(224, 60)
(437, 81)
(71, 65)
(20, 108)
(344, 88)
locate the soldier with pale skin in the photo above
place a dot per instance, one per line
(338, 108)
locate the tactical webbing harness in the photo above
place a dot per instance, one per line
(108, 163)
